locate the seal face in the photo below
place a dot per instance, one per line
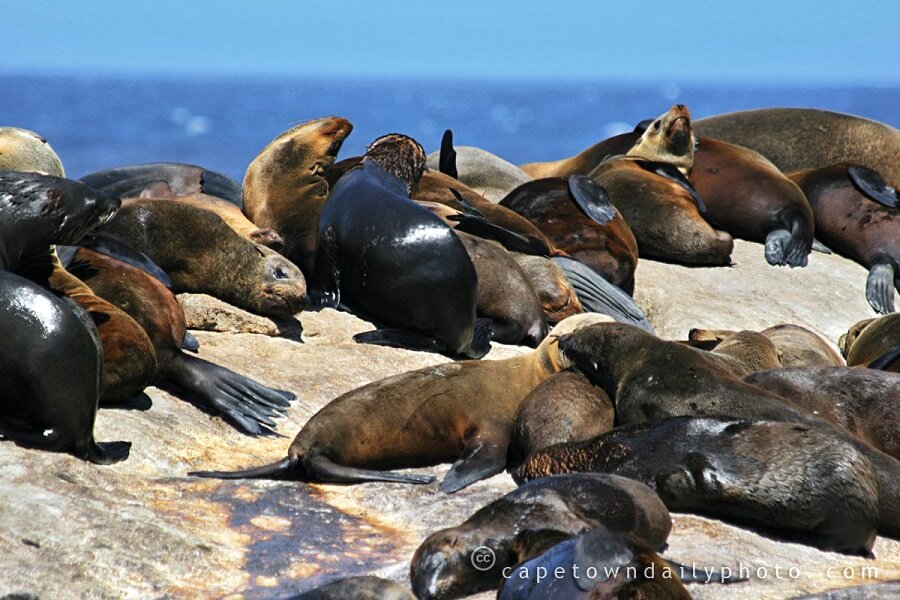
(385, 257)
(801, 482)
(527, 521)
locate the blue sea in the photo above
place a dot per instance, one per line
(96, 122)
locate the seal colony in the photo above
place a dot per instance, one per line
(607, 426)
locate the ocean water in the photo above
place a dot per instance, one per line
(98, 122)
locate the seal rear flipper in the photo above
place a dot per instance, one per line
(592, 199)
(510, 240)
(400, 338)
(705, 575)
(322, 469)
(872, 185)
(481, 339)
(880, 288)
(283, 469)
(107, 453)
(114, 247)
(600, 296)
(249, 405)
(447, 160)
(670, 171)
(481, 459)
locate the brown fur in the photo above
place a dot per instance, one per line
(747, 352)
(557, 297)
(869, 340)
(585, 161)
(284, 188)
(796, 346)
(23, 150)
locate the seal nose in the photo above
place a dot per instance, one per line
(679, 106)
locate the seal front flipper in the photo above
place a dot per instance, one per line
(447, 160)
(670, 171)
(880, 288)
(473, 221)
(482, 458)
(247, 404)
(107, 453)
(400, 338)
(598, 295)
(872, 185)
(592, 199)
(818, 246)
(190, 343)
(791, 248)
(325, 287)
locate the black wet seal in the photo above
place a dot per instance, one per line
(323, 541)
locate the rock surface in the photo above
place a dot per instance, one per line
(142, 528)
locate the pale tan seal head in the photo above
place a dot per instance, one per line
(399, 155)
(668, 139)
(23, 150)
(549, 348)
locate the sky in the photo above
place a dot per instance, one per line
(786, 42)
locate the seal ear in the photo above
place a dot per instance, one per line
(592, 199)
(642, 126)
(447, 161)
(872, 185)
(670, 171)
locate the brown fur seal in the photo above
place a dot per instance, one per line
(526, 521)
(649, 378)
(566, 407)
(860, 401)
(803, 138)
(804, 482)
(857, 225)
(796, 345)
(747, 352)
(874, 343)
(555, 207)
(363, 587)
(50, 375)
(246, 403)
(203, 255)
(187, 183)
(24, 150)
(390, 260)
(587, 160)
(460, 412)
(747, 196)
(597, 565)
(650, 188)
(285, 188)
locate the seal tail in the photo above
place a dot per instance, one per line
(447, 160)
(283, 469)
(598, 295)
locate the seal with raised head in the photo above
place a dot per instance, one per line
(874, 343)
(613, 565)
(566, 407)
(806, 138)
(249, 405)
(863, 402)
(527, 521)
(803, 482)
(202, 254)
(576, 215)
(392, 261)
(649, 186)
(285, 187)
(50, 375)
(459, 412)
(858, 216)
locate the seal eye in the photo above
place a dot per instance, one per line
(655, 125)
(279, 273)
